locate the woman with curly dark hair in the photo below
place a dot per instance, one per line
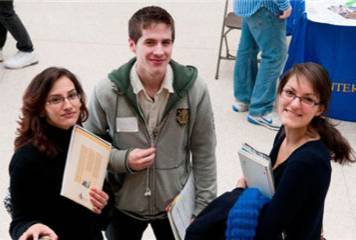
(52, 104)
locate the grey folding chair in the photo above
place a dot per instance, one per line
(230, 22)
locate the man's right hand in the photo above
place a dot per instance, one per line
(139, 159)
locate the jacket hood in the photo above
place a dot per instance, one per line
(183, 79)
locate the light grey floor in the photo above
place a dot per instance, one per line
(90, 38)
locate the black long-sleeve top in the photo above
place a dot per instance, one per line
(35, 184)
(302, 182)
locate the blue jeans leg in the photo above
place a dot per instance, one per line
(245, 65)
(269, 33)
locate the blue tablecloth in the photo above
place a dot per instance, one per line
(334, 47)
(298, 9)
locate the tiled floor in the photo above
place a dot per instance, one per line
(89, 37)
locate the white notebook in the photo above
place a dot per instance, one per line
(180, 210)
(257, 169)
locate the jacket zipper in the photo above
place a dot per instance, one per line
(148, 192)
(151, 170)
(153, 138)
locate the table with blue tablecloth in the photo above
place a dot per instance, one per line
(334, 47)
(298, 9)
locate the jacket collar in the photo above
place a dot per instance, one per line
(183, 79)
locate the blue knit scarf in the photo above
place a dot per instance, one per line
(243, 216)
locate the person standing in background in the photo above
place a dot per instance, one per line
(263, 30)
(10, 22)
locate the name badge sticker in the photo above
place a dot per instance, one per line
(126, 124)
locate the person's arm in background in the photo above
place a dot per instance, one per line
(285, 7)
(203, 142)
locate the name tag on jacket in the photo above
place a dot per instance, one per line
(126, 124)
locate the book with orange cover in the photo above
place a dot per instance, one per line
(86, 163)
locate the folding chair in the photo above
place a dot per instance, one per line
(230, 22)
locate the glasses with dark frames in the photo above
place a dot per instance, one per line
(290, 95)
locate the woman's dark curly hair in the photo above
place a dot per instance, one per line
(32, 122)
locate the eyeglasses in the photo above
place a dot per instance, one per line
(307, 101)
(57, 100)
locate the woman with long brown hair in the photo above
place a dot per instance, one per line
(301, 159)
(53, 103)
(301, 156)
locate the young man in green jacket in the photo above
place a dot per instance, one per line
(159, 118)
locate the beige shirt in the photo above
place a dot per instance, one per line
(152, 109)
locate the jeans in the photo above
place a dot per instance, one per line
(253, 85)
(9, 21)
(123, 226)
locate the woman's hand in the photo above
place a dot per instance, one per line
(241, 183)
(98, 198)
(37, 231)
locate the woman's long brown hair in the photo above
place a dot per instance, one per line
(32, 122)
(317, 76)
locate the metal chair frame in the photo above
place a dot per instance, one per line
(230, 22)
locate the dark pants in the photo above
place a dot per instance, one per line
(126, 227)
(9, 21)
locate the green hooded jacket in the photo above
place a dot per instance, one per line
(185, 141)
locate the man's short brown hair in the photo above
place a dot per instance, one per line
(145, 17)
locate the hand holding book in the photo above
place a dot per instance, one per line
(98, 198)
(241, 183)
